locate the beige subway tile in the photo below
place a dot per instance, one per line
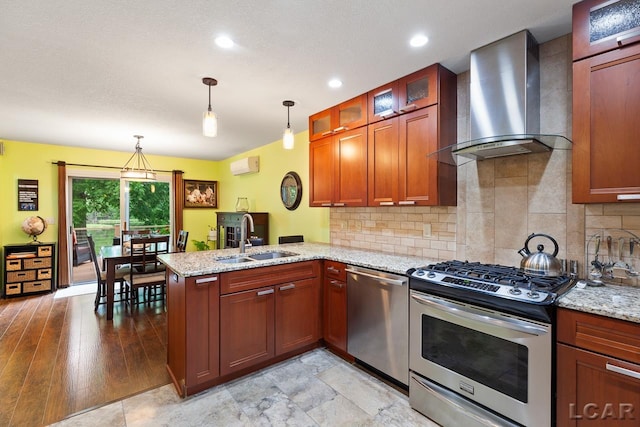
(603, 221)
(593, 209)
(406, 241)
(631, 222)
(621, 209)
(507, 256)
(446, 255)
(445, 236)
(448, 217)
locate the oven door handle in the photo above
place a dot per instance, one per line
(480, 316)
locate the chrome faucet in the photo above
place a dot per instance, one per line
(243, 230)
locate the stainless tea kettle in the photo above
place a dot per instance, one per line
(540, 263)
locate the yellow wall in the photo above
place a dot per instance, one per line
(24, 160)
(262, 190)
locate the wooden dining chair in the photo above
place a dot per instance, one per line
(147, 272)
(127, 235)
(181, 241)
(101, 277)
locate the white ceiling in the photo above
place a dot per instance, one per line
(94, 73)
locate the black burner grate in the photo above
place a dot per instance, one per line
(494, 273)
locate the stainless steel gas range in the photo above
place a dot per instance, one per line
(481, 344)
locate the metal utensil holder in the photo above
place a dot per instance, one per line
(613, 267)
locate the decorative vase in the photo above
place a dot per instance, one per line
(242, 205)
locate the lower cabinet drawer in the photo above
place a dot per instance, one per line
(14, 264)
(41, 285)
(44, 273)
(20, 276)
(13, 289)
(37, 263)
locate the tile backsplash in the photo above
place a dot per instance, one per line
(422, 231)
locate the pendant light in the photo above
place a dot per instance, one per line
(287, 137)
(137, 167)
(209, 119)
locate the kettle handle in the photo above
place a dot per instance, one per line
(555, 244)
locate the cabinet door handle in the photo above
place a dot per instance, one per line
(336, 284)
(329, 132)
(339, 204)
(340, 129)
(407, 202)
(623, 371)
(266, 292)
(386, 203)
(628, 197)
(206, 280)
(332, 269)
(287, 287)
(626, 37)
(386, 113)
(408, 107)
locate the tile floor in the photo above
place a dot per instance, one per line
(313, 389)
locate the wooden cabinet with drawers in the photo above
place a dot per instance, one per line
(598, 365)
(29, 269)
(268, 312)
(335, 306)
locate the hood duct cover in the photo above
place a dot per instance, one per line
(505, 101)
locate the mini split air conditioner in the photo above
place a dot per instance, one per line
(246, 165)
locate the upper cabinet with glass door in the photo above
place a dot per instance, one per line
(409, 93)
(347, 115)
(603, 25)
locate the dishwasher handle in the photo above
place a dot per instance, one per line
(396, 282)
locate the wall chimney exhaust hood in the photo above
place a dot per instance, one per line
(505, 102)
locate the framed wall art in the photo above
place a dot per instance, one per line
(200, 194)
(27, 194)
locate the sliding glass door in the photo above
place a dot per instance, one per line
(101, 205)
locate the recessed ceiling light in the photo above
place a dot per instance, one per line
(418, 40)
(334, 83)
(224, 42)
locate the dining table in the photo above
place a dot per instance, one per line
(112, 257)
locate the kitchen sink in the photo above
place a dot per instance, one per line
(271, 255)
(234, 260)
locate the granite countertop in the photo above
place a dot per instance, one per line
(620, 302)
(188, 264)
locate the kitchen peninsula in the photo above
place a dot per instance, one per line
(229, 314)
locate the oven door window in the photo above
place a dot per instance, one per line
(486, 359)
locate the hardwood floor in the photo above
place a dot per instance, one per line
(59, 357)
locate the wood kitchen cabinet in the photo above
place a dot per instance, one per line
(606, 104)
(414, 91)
(247, 337)
(603, 25)
(345, 116)
(297, 318)
(268, 312)
(598, 366)
(403, 167)
(193, 331)
(338, 169)
(335, 305)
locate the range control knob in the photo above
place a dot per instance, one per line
(431, 275)
(419, 273)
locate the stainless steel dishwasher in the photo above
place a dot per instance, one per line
(378, 320)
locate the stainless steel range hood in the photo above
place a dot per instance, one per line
(505, 101)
